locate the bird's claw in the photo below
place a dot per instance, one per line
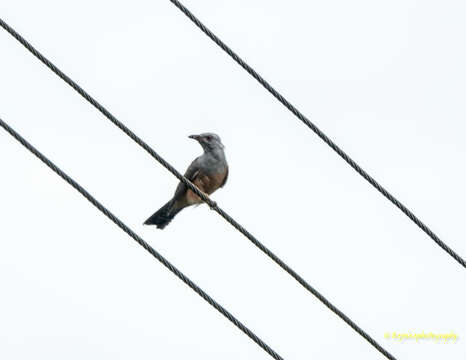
(213, 205)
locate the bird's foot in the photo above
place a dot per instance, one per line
(213, 205)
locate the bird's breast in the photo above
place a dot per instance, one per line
(207, 183)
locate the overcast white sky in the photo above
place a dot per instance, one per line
(385, 80)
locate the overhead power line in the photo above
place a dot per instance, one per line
(319, 133)
(140, 241)
(191, 186)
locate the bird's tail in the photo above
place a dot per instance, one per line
(163, 216)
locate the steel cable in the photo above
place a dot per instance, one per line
(140, 241)
(320, 134)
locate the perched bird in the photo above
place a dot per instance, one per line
(208, 172)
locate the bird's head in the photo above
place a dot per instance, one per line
(208, 141)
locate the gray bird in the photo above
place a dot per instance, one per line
(208, 172)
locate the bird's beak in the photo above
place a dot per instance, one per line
(195, 137)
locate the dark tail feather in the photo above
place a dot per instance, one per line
(163, 216)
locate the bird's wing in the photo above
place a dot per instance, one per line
(190, 174)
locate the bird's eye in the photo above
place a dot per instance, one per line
(209, 138)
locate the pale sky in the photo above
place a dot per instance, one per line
(385, 80)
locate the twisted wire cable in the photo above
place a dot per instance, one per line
(140, 241)
(213, 205)
(320, 133)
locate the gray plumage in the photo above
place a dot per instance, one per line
(208, 172)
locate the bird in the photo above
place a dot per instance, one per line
(208, 172)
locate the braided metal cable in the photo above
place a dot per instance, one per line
(320, 134)
(140, 241)
(202, 195)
